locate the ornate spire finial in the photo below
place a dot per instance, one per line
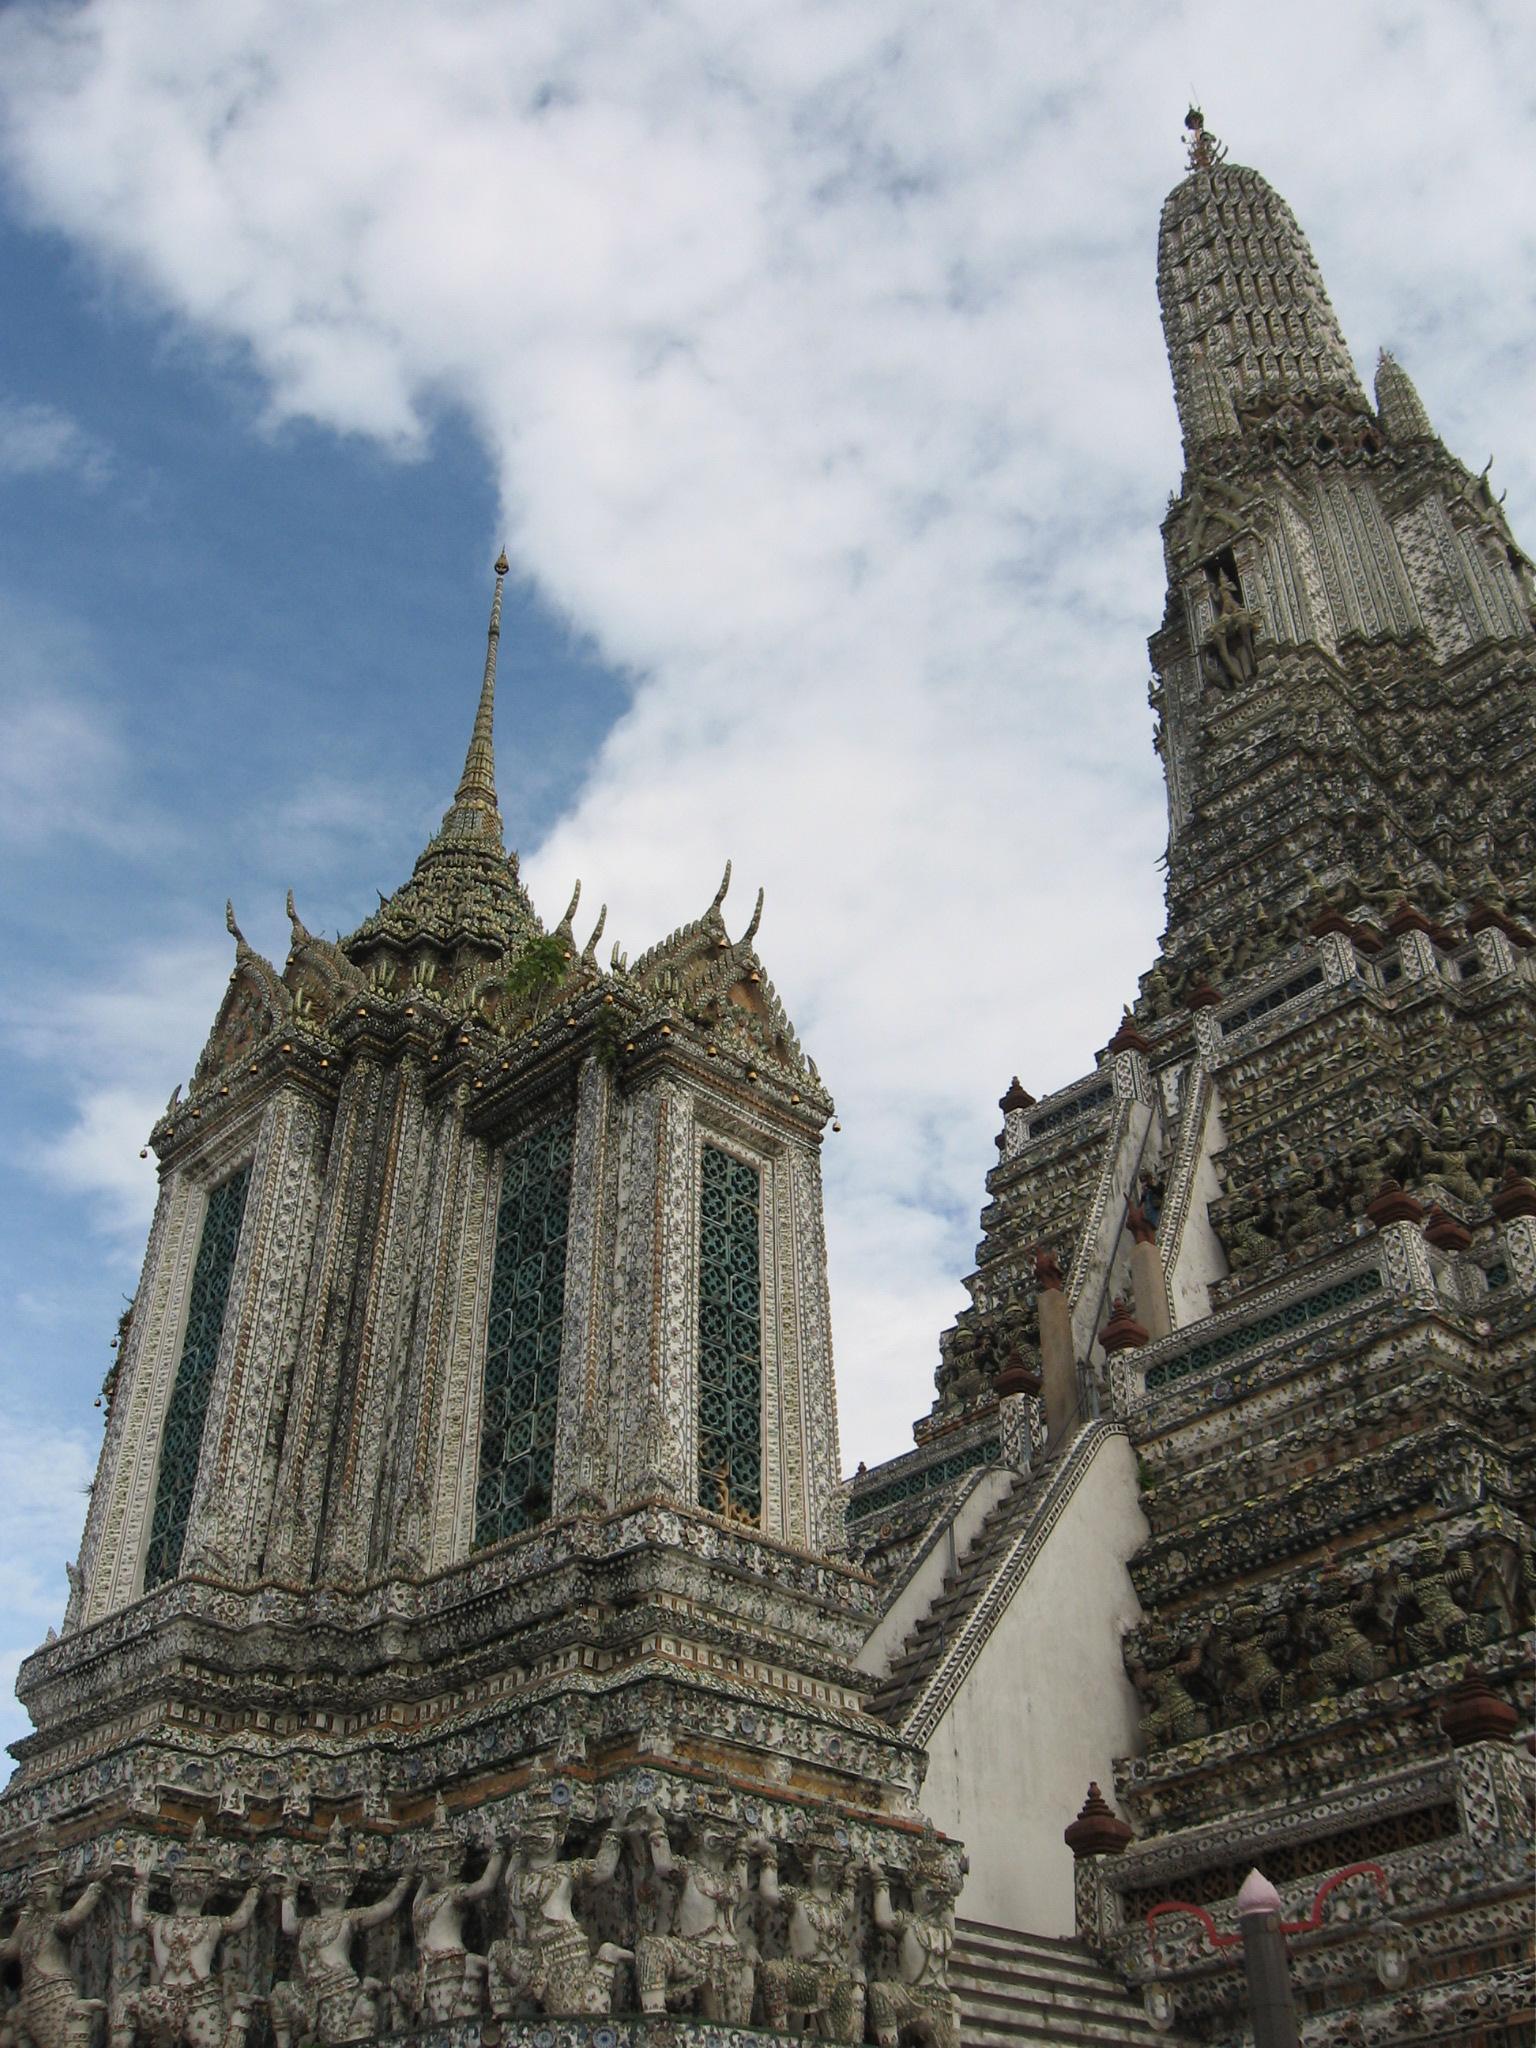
(1205, 152)
(474, 813)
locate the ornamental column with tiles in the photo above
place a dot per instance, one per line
(470, 1481)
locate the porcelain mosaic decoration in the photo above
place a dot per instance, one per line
(473, 1636)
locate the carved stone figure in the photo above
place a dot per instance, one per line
(1172, 1715)
(1443, 1625)
(546, 1960)
(1341, 1656)
(329, 2002)
(1231, 638)
(1248, 1675)
(702, 1959)
(449, 1982)
(186, 2001)
(818, 1979)
(50, 2013)
(919, 1995)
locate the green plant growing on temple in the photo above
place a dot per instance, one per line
(538, 968)
(608, 1038)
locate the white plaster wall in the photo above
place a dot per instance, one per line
(1045, 1709)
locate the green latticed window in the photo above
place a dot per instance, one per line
(926, 1479)
(182, 1441)
(1293, 1316)
(522, 1344)
(730, 1337)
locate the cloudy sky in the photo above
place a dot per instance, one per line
(806, 355)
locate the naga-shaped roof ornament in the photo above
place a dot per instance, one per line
(720, 983)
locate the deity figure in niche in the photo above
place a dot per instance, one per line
(187, 2000)
(702, 1960)
(919, 1995)
(50, 2013)
(546, 1960)
(819, 1979)
(449, 1982)
(329, 2002)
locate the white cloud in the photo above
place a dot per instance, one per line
(817, 349)
(45, 1474)
(108, 1046)
(63, 763)
(36, 439)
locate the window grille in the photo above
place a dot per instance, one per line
(1287, 1862)
(522, 1346)
(730, 1337)
(181, 1442)
(926, 1479)
(1293, 1316)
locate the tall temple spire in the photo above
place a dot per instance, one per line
(1242, 297)
(465, 885)
(1307, 525)
(473, 813)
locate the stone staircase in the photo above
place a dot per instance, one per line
(932, 1638)
(1019, 1990)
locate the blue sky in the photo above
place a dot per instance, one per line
(808, 359)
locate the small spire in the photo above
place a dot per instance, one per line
(1398, 404)
(474, 813)
(1205, 152)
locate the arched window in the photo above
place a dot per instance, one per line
(181, 1442)
(730, 1337)
(522, 1346)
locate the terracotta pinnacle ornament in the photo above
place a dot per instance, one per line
(1122, 1332)
(1392, 1203)
(1016, 1376)
(1517, 1197)
(1048, 1273)
(1406, 919)
(1098, 1830)
(1128, 1038)
(1445, 1233)
(1474, 1712)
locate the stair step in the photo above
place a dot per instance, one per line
(1019, 1990)
(996, 2005)
(1133, 2025)
(982, 1934)
(989, 1955)
(988, 1976)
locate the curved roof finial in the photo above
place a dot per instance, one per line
(589, 950)
(744, 943)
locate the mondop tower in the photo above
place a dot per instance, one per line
(472, 1635)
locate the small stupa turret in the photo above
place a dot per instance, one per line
(1398, 404)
